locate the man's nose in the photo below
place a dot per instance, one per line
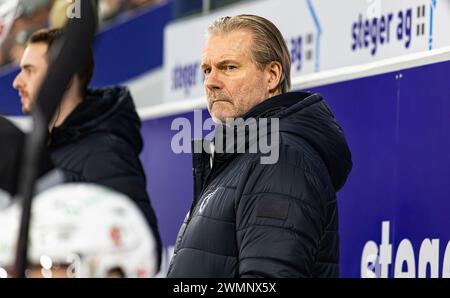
(213, 80)
(18, 82)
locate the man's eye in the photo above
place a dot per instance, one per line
(206, 71)
(230, 67)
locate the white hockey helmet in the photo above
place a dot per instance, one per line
(82, 230)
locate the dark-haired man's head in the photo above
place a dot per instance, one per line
(34, 66)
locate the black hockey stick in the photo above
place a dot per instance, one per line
(65, 58)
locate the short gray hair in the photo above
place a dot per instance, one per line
(268, 42)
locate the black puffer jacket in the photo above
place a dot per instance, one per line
(100, 143)
(269, 220)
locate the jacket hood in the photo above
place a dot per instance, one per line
(308, 116)
(109, 110)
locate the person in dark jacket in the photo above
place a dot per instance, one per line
(12, 143)
(250, 218)
(95, 134)
(12, 140)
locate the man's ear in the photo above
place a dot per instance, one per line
(273, 72)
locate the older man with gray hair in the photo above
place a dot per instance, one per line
(255, 219)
